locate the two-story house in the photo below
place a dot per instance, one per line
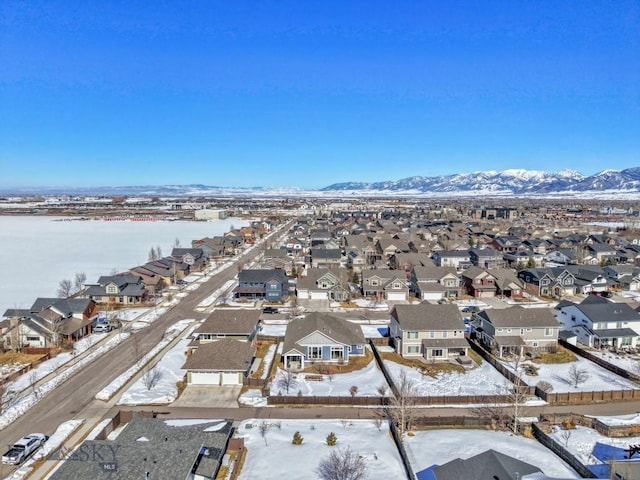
(599, 323)
(238, 324)
(549, 282)
(434, 283)
(323, 284)
(266, 284)
(123, 289)
(385, 284)
(478, 282)
(517, 330)
(486, 257)
(432, 332)
(458, 259)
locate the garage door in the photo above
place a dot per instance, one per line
(232, 378)
(205, 378)
(319, 295)
(396, 296)
(303, 294)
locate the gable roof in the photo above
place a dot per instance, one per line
(223, 354)
(262, 276)
(488, 465)
(342, 331)
(230, 322)
(520, 317)
(427, 316)
(599, 309)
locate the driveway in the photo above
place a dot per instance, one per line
(208, 396)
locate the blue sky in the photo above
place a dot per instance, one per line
(306, 93)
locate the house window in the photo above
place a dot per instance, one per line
(314, 353)
(432, 334)
(445, 334)
(413, 349)
(337, 353)
(33, 339)
(412, 335)
(528, 329)
(436, 352)
(602, 325)
(534, 344)
(374, 283)
(500, 329)
(508, 330)
(112, 289)
(548, 332)
(573, 317)
(618, 324)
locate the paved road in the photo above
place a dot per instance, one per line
(77, 393)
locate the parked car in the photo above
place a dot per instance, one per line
(102, 328)
(23, 448)
(269, 310)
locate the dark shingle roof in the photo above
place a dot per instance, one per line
(337, 329)
(426, 316)
(223, 354)
(520, 317)
(230, 322)
(488, 465)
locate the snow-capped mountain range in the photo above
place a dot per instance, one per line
(612, 184)
(514, 182)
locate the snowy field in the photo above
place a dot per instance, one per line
(437, 447)
(274, 456)
(165, 391)
(368, 380)
(95, 247)
(630, 363)
(599, 379)
(482, 380)
(581, 440)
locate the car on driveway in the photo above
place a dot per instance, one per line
(23, 448)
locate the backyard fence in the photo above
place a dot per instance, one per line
(322, 400)
(562, 452)
(600, 361)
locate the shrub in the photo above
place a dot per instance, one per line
(531, 370)
(297, 439)
(332, 439)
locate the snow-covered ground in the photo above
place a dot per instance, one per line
(274, 456)
(94, 247)
(165, 390)
(22, 404)
(630, 363)
(267, 360)
(211, 299)
(557, 374)
(482, 380)
(580, 442)
(368, 380)
(437, 447)
(172, 332)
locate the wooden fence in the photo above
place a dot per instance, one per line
(26, 368)
(568, 398)
(451, 421)
(613, 431)
(321, 400)
(563, 453)
(600, 361)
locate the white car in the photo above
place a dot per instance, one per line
(24, 447)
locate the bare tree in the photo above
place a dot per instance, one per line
(79, 281)
(65, 288)
(402, 404)
(55, 328)
(151, 377)
(287, 380)
(152, 255)
(578, 375)
(264, 427)
(176, 243)
(566, 436)
(353, 390)
(342, 464)
(158, 252)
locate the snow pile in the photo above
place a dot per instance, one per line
(21, 405)
(172, 332)
(267, 360)
(210, 300)
(165, 391)
(253, 398)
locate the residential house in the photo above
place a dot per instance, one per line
(562, 256)
(321, 337)
(599, 323)
(213, 247)
(431, 332)
(122, 289)
(48, 322)
(478, 282)
(599, 254)
(325, 258)
(238, 324)
(225, 362)
(486, 257)
(548, 282)
(406, 261)
(385, 284)
(518, 330)
(588, 278)
(506, 243)
(507, 283)
(264, 284)
(523, 258)
(489, 465)
(195, 258)
(149, 448)
(387, 246)
(434, 283)
(458, 259)
(623, 277)
(323, 284)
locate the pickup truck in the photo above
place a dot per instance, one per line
(24, 447)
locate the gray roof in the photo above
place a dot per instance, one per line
(433, 272)
(488, 465)
(224, 354)
(426, 316)
(230, 322)
(457, 342)
(520, 317)
(615, 333)
(598, 311)
(150, 445)
(262, 276)
(339, 330)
